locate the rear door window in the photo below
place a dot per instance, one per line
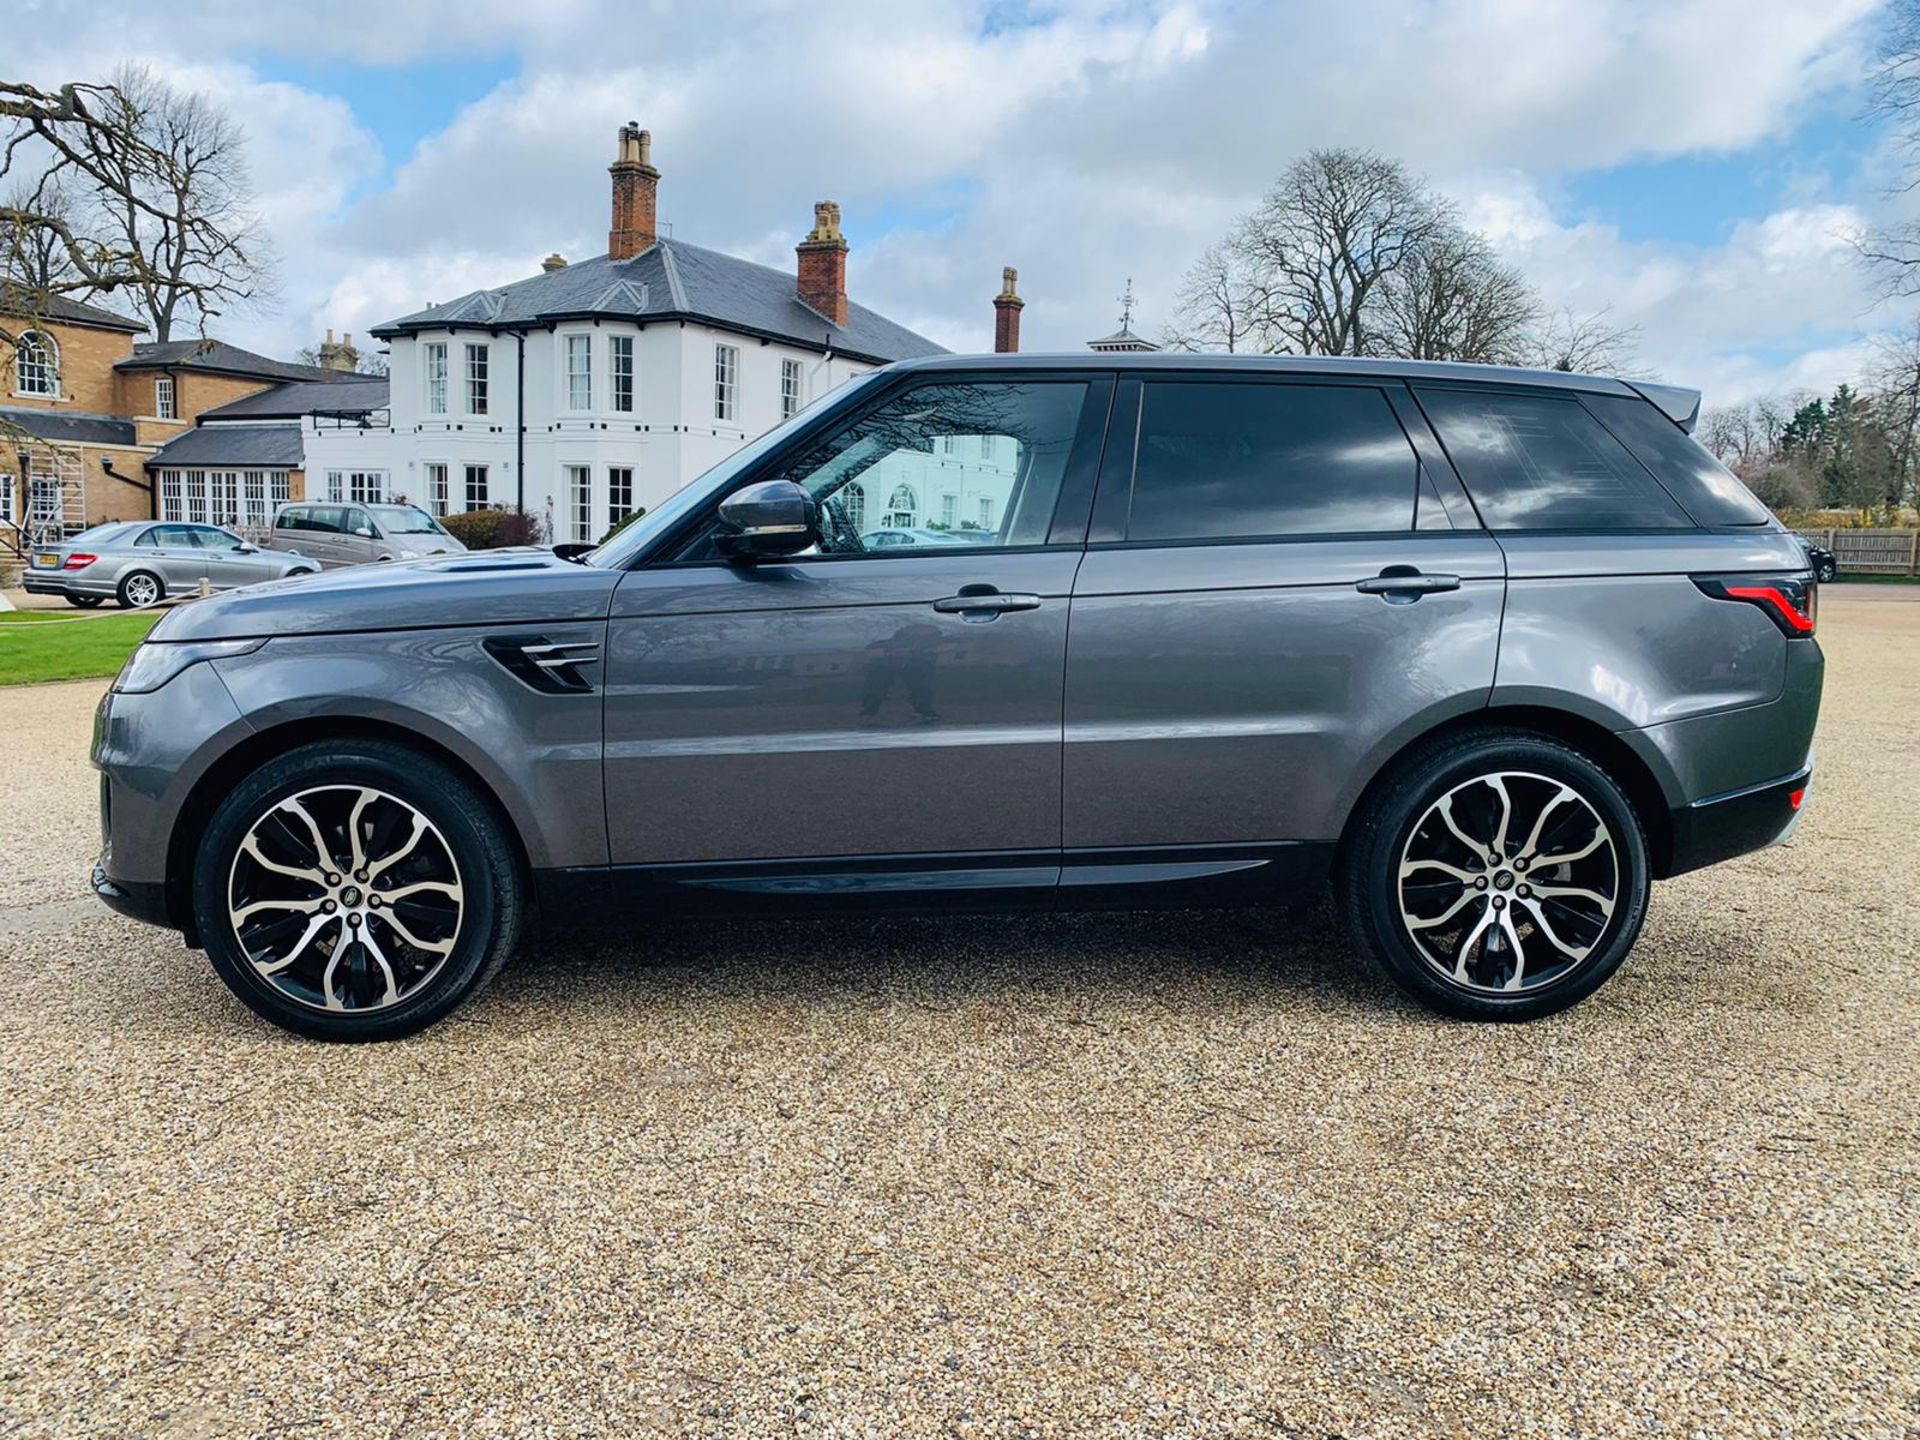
(328, 519)
(1542, 462)
(1237, 460)
(1711, 493)
(294, 518)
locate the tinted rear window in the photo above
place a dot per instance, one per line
(1221, 461)
(1711, 493)
(1538, 462)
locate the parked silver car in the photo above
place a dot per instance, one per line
(355, 534)
(142, 562)
(1486, 651)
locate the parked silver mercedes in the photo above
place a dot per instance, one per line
(142, 562)
(1491, 651)
(360, 534)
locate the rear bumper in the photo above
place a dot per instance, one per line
(1723, 826)
(60, 582)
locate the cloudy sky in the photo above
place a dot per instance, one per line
(1696, 165)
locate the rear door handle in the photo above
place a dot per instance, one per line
(989, 602)
(1411, 584)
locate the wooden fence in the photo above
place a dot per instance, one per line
(1871, 552)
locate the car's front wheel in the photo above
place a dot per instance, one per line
(1498, 876)
(358, 890)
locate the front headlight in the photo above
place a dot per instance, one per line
(155, 662)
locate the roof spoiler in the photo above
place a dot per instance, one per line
(1676, 402)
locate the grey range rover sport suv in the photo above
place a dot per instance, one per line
(1488, 650)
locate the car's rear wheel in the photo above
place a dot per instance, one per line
(357, 891)
(139, 589)
(85, 602)
(1499, 876)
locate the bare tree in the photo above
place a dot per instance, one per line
(1585, 344)
(1214, 305)
(33, 258)
(1892, 252)
(181, 197)
(1323, 243)
(1454, 299)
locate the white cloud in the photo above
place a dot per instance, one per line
(1084, 141)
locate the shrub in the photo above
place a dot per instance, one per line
(495, 529)
(631, 517)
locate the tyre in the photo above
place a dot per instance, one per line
(85, 602)
(1827, 571)
(357, 890)
(139, 589)
(1498, 876)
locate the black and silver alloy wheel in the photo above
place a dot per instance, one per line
(1498, 875)
(345, 897)
(1508, 882)
(357, 890)
(140, 590)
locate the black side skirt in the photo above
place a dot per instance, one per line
(1280, 872)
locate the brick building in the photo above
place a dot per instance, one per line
(86, 409)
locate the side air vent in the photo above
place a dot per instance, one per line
(549, 666)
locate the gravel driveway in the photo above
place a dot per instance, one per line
(1184, 1175)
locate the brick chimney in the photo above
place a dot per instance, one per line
(338, 354)
(1006, 314)
(823, 264)
(636, 190)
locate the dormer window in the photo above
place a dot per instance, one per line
(36, 366)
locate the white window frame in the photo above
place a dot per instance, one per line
(256, 511)
(7, 483)
(467, 474)
(577, 366)
(620, 373)
(619, 493)
(336, 487)
(366, 487)
(950, 511)
(194, 512)
(726, 380)
(986, 512)
(580, 501)
(792, 378)
(164, 397)
(479, 375)
(438, 487)
(172, 502)
(37, 377)
(280, 486)
(223, 497)
(434, 365)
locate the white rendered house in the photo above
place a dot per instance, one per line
(597, 387)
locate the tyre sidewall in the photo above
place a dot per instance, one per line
(1375, 906)
(488, 880)
(126, 600)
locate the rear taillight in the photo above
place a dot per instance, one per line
(79, 562)
(1790, 601)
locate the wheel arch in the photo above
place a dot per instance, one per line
(1605, 747)
(263, 746)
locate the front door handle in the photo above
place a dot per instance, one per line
(1403, 584)
(984, 602)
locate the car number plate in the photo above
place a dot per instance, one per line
(47, 560)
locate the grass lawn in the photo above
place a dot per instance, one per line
(32, 649)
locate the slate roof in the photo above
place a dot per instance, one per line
(70, 312)
(225, 359)
(674, 280)
(290, 402)
(235, 445)
(71, 427)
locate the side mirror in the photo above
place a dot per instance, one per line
(243, 548)
(773, 518)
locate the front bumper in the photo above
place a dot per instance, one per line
(1723, 826)
(144, 902)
